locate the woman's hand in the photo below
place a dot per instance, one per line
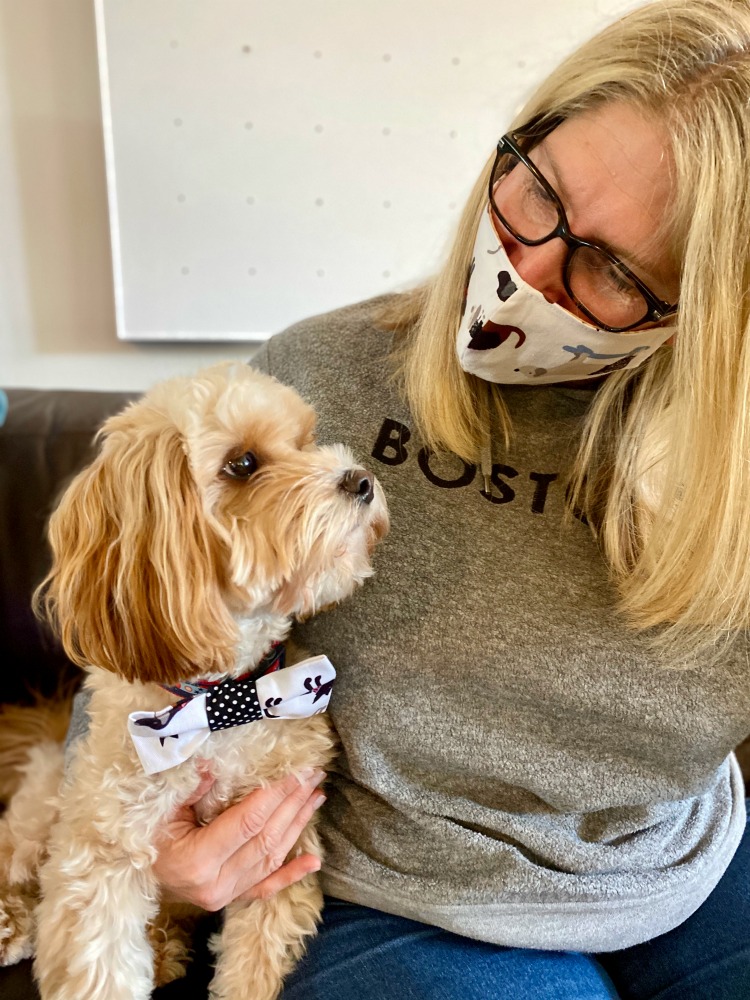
(240, 854)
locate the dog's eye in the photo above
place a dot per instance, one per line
(241, 467)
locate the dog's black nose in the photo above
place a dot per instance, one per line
(360, 483)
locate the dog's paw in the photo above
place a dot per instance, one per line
(170, 943)
(16, 927)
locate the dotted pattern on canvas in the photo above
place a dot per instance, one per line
(265, 167)
(318, 129)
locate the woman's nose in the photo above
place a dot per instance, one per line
(542, 268)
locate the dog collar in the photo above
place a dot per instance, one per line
(165, 738)
(274, 659)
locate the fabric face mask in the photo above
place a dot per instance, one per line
(509, 332)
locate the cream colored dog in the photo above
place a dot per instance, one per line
(208, 522)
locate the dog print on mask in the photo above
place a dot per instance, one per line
(581, 363)
(581, 350)
(584, 360)
(505, 286)
(484, 335)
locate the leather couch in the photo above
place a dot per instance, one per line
(47, 436)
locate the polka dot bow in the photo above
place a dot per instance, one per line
(165, 738)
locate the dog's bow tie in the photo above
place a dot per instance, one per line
(168, 737)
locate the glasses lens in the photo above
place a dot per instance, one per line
(522, 202)
(531, 213)
(604, 289)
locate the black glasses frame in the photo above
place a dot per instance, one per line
(656, 308)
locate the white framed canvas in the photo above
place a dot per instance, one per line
(269, 161)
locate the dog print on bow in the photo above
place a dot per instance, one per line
(165, 738)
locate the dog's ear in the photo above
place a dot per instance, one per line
(138, 579)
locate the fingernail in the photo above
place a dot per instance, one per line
(310, 776)
(319, 800)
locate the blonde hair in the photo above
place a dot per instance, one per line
(663, 470)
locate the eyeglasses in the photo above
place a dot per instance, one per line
(604, 289)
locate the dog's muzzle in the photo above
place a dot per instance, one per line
(359, 483)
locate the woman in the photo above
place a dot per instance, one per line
(535, 796)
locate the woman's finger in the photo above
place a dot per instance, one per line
(266, 854)
(239, 825)
(211, 865)
(285, 876)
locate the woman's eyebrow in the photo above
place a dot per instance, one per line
(627, 256)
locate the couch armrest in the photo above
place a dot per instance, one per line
(46, 438)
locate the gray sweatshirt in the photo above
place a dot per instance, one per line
(516, 766)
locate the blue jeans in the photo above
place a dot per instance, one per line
(363, 954)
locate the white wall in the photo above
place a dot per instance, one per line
(57, 313)
(57, 316)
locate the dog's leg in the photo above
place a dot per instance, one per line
(92, 939)
(23, 729)
(262, 940)
(25, 829)
(170, 935)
